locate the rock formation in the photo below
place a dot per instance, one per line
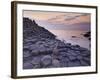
(41, 49)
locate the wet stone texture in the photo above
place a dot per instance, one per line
(41, 49)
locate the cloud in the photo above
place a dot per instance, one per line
(70, 18)
(74, 17)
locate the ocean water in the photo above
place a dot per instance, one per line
(78, 38)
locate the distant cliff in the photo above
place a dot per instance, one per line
(31, 28)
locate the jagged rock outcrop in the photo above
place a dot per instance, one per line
(41, 49)
(31, 29)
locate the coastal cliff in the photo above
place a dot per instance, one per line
(41, 49)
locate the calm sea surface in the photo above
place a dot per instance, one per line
(74, 37)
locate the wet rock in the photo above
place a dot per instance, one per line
(46, 60)
(74, 63)
(33, 47)
(42, 50)
(49, 50)
(68, 45)
(79, 57)
(64, 64)
(27, 65)
(63, 54)
(61, 45)
(86, 53)
(36, 62)
(27, 44)
(63, 50)
(26, 53)
(87, 59)
(35, 52)
(25, 59)
(72, 52)
(56, 63)
(75, 47)
(40, 43)
(64, 61)
(82, 49)
(84, 63)
(72, 58)
(31, 40)
(25, 47)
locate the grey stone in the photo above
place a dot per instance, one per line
(74, 47)
(87, 59)
(26, 53)
(74, 63)
(56, 63)
(61, 45)
(85, 53)
(79, 57)
(26, 47)
(84, 63)
(49, 50)
(83, 49)
(27, 65)
(46, 60)
(33, 47)
(72, 58)
(63, 54)
(63, 50)
(36, 62)
(68, 45)
(35, 52)
(72, 52)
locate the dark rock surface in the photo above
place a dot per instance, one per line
(41, 49)
(87, 35)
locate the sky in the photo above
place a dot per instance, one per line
(60, 20)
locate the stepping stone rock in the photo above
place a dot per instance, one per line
(36, 62)
(56, 63)
(63, 54)
(35, 52)
(87, 59)
(26, 53)
(79, 57)
(86, 53)
(27, 65)
(46, 60)
(74, 63)
(84, 63)
(68, 45)
(72, 58)
(63, 50)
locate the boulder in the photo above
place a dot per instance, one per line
(68, 45)
(46, 60)
(84, 63)
(36, 62)
(79, 57)
(74, 63)
(85, 53)
(63, 49)
(56, 63)
(27, 65)
(26, 53)
(72, 58)
(35, 52)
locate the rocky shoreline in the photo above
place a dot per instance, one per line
(41, 49)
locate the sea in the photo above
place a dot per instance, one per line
(75, 37)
